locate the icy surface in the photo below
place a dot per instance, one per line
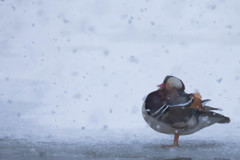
(193, 149)
(126, 145)
(74, 69)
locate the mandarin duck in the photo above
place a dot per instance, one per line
(171, 110)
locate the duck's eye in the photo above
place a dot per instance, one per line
(175, 82)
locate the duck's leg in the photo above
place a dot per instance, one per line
(175, 142)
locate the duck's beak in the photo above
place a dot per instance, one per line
(163, 85)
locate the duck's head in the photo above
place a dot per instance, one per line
(171, 82)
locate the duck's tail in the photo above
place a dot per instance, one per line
(216, 118)
(224, 119)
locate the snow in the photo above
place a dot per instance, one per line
(77, 70)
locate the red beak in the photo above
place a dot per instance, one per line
(163, 85)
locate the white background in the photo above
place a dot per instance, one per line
(80, 66)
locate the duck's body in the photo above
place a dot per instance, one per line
(178, 113)
(182, 120)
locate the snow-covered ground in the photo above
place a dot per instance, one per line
(78, 71)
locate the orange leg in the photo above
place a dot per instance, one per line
(175, 142)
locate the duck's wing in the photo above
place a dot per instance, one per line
(181, 99)
(178, 117)
(162, 107)
(191, 100)
(185, 118)
(205, 101)
(208, 108)
(184, 104)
